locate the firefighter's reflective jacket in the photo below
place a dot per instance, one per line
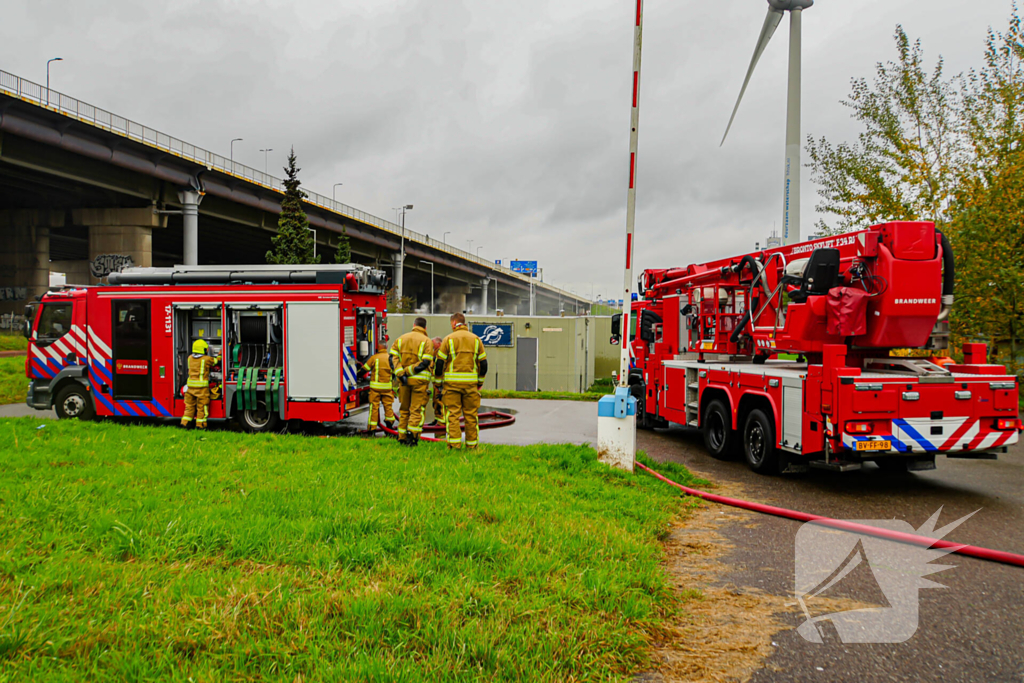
(412, 355)
(462, 353)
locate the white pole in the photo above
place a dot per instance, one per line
(634, 123)
(791, 189)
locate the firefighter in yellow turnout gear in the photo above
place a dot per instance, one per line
(412, 356)
(197, 393)
(462, 365)
(381, 390)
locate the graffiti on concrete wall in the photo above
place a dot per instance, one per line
(13, 293)
(105, 264)
(12, 322)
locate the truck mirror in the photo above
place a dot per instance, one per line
(617, 325)
(30, 314)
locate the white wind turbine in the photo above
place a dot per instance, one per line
(791, 188)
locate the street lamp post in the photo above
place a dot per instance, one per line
(233, 141)
(470, 245)
(431, 285)
(399, 280)
(478, 251)
(55, 59)
(444, 237)
(334, 191)
(265, 152)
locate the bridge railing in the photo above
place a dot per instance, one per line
(66, 105)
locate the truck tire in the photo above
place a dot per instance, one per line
(636, 389)
(73, 401)
(258, 420)
(719, 437)
(759, 443)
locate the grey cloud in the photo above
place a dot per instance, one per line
(506, 123)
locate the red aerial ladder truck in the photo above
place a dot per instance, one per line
(292, 339)
(785, 355)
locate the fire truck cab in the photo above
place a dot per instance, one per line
(291, 340)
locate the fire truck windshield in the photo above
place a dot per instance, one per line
(54, 322)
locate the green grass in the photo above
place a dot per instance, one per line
(549, 395)
(146, 553)
(12, 342)
(13, 383)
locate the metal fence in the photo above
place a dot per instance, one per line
(60, 103)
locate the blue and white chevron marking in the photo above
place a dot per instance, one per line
(348, 369)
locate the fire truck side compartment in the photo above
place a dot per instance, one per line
(314, 338)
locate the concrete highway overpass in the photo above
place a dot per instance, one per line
(83, 190)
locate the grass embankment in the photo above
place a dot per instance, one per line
(13, 342)
(13, 383)
(149, 553)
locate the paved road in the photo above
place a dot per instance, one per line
(537, 421)
(971, 631)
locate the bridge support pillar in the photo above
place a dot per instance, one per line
(398, 280)
(484, 284)
(190, 223)
(25, 258)
(118, 238)
(452, 299)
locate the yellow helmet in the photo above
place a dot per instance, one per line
(199, 346)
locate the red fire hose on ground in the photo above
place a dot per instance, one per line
(492, 419)
(913, 539)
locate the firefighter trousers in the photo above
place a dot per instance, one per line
(413, 397)
(438, 403)
(462, 400)
(197, 406)
(378, 398)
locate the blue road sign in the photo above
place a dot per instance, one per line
(525, 267)
(497, 262)
(494, 334)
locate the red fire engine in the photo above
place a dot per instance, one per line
(292, 339)
(784, 354)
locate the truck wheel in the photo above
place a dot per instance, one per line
(759, 443)
(258, 420)
(74, 401)
(719, 437)
(642, 420)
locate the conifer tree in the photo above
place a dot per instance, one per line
(344, 251)
(293, 243)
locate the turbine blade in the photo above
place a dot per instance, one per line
(771, 22)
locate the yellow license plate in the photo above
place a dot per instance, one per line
(874, 445)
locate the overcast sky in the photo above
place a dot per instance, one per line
(504, 123)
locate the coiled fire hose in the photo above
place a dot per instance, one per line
(490, 420)
(913, 539)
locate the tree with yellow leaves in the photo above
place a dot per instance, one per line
(949, 150)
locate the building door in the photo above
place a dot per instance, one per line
(132, 350)
(526, 364)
